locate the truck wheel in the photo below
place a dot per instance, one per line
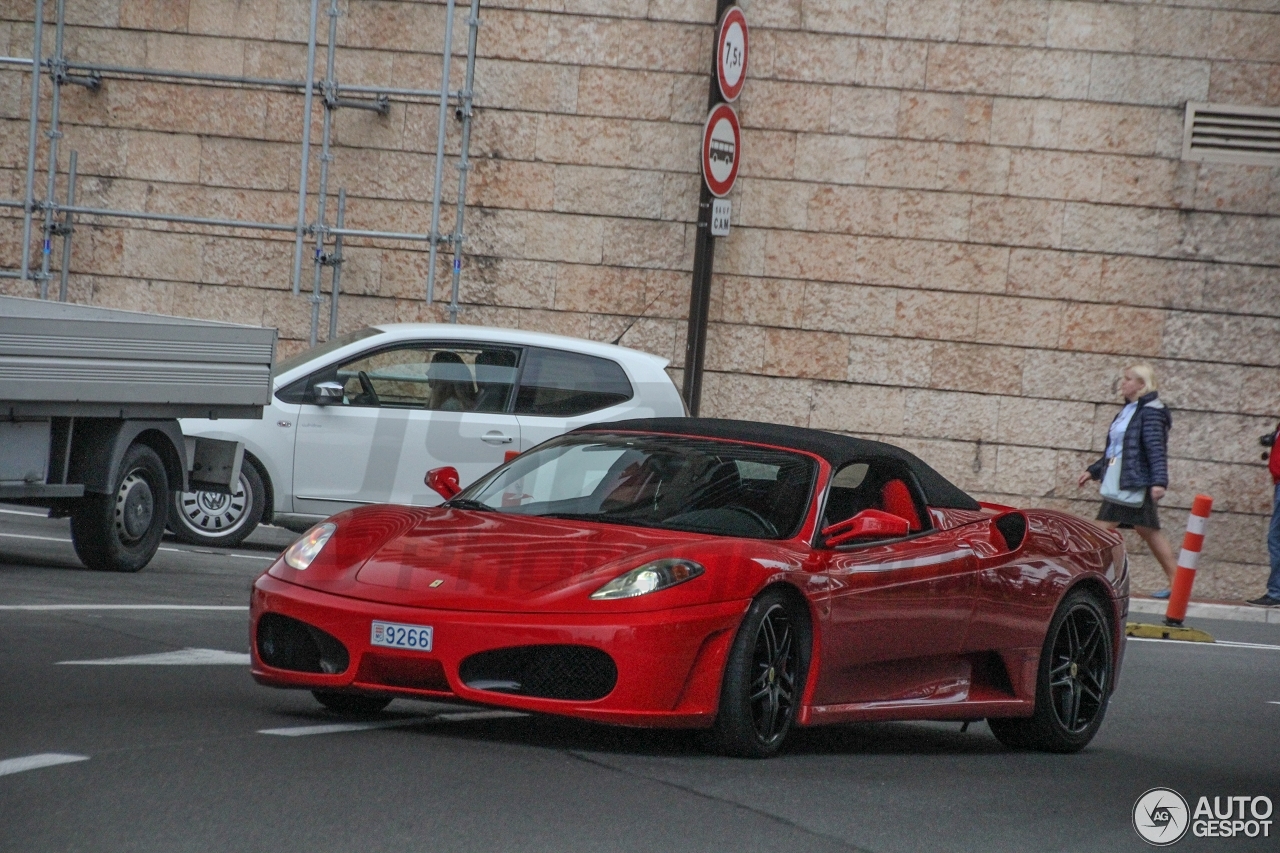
(120, 532)
(211, 518)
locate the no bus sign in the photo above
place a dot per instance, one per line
(721, 149)
(731, 53)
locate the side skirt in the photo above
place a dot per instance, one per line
(818, 715)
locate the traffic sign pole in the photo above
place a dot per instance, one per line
(703, 258)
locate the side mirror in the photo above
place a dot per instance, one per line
(868, 524)
(328, 392)
(444, 481)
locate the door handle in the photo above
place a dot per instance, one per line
(495, 437)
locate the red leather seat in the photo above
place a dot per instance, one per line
(895, 499)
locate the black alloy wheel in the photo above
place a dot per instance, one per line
(120, 532)
(764, 679)
(1073, 684)
(1080, 669)
(351, 704)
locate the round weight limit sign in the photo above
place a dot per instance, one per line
(731, 53)
(721, 149)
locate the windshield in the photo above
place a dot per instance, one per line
(668, 482)
(325, 348)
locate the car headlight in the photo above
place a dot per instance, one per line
(650, 577)
(300, 554)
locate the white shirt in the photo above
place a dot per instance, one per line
(1115, 438)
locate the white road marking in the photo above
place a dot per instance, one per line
(47, 607)
(186, 657)
(221, 554)
(334, 728)
(170, 550)
(1273, 703)
(24, 512)
(1227, 643)
(35, 762)
(37, 538)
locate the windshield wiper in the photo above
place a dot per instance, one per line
(467, 503)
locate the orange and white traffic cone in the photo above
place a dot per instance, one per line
(1192, 543)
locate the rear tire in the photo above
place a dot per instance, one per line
(764, 679)
(217, 520)
(1073, 682)
(351, 704)
(121, 531)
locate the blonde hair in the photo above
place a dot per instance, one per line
(1147, 374)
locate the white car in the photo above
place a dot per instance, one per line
(362, 418)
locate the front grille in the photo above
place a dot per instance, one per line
(415, 673)
(578, 673)
(287, 643)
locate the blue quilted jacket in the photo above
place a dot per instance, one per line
(1146, 440)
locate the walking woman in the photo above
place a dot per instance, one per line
(1137, 444)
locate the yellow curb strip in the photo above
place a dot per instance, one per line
(1166, 632)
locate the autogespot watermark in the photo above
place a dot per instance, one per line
(1162, 817)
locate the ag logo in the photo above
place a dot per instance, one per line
(1160, 816)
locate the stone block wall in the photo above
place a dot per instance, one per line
(956, 221)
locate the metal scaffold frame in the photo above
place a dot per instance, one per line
(58, 217)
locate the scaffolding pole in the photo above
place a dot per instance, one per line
(174, 217)
(465, 102)
(54, 134)
(335, 261)
(306, 146)
(66, 230)
(33, 136)
(440, 131)
(326, 91)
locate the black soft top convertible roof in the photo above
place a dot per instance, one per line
(838, 450)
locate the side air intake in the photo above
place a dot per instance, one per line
(286, 643)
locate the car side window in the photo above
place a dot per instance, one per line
(564, 384)
(495, 372)
(395, 377)
(882, 484)
(845, 496)
(466, 378)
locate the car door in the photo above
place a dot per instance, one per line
(403, 410)
(898, 610)
(560, 391)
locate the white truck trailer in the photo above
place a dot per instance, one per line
(89, 406)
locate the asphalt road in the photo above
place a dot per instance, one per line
(189, 756)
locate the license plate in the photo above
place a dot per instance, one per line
(396, 636)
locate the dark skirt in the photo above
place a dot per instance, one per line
(1131, 516)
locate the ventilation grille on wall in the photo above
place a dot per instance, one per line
(1223, 133)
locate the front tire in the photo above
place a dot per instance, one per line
(351, 704)
(218, 520)
(764, 679)
(1073, 682)
(120, 532)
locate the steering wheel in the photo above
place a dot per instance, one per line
(765, 524)
(367, 394)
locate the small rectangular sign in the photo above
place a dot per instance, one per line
(721, 208)
(397, 636)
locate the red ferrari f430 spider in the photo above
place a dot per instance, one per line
(735, 577)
